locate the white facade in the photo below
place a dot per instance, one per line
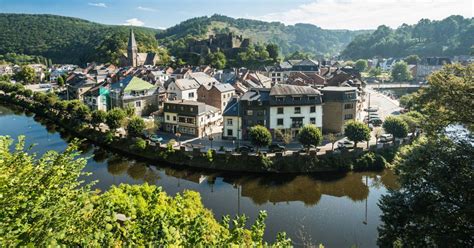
(177, 94)
(310, 114)
(232, 127)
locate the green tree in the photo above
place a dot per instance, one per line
(361, 65)
(396, 126)
(273, 52)
(260, 136)
(448, 99)
(412, 59)
(45, 203)
(60, 81)
(26, 75)
(115, 118)
(332, 139)
(357, 131)
(98, 117)
(375, 71)
(310, 135)
(400, 72)
(135, 126)
(433, 207)
(217, 60)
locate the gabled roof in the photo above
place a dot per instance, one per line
(307, 62)
(257, 94)
(224, 87)
(286, 89)
(130, 83)
(186, 84)
(232, 108)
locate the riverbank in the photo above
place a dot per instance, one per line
(357, 159)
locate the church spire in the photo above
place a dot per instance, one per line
(132, 50)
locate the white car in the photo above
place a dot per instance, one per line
(386, 137)
(345, 144)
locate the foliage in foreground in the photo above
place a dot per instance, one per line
(42, 202)
(433, 208)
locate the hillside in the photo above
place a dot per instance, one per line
(451, 36)
(68, 40)
(299, 37)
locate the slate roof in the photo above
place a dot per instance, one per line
(286, 89)
(232, 108)
(202, 107)
(257, 94)
(307, 62)
(224, 87)
(186, 84)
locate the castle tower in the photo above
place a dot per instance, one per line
(132, 50)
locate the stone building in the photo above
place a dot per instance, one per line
(340, 106)
(133, 58)
(230, 44)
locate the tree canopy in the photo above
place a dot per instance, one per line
(45, 203)
(260, 136)
(400, 72)
(396, 126)
(356, 131)
(310, 135)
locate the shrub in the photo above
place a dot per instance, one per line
(210, 155)
(140, 144)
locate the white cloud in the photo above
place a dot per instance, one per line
(134, 22)
(102, 5)
(368, 14)
(146, 9)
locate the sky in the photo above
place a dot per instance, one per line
(328, 14)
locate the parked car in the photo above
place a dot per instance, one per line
(345, 144)
(372, 109)
(311, 147)
(155, 138)
(386, 137)
(376, 121)
(276, 148)
(244, 148)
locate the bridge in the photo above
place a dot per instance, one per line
(396, 86)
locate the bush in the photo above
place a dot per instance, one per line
(266, 162)
(140, 144)
(210, 155)
(370, 161)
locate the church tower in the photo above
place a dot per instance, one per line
(132, 50)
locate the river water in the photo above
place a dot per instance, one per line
(335, 210)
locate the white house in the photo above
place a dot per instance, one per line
(292, 107)
(183, 89)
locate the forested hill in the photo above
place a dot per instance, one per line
(68, 40)
(300, 37)
(451, 36)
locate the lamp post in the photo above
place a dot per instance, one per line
(211, 139)
(178, 135)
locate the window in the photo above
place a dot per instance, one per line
(191, 94)
(279, 111)
(138, 104)
(312, 109)
(174, 118)
(280, 122)
(191, 109)
(297, 110)
(280, 99)
(167, 117)
(312, 98)
(249, 112)
(348, 106)
(348, 117)
(182, 119)
(312, 121)
(296, 98)
(229, 122)
(230, 132)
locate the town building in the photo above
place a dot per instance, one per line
(232, 122)
(134, 92)
(98, 97)
(78, 84)
(340, 106)
(133, 58)
(430, 65)
(183, 89)
(292, 107)
(190, 117)
(254, 109)
(215, 94)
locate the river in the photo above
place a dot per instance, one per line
(335, 210)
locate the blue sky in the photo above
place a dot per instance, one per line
(333, 14)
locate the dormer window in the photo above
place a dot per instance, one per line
(297, 98)
(280, 98)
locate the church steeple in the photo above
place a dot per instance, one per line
(132, 50)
